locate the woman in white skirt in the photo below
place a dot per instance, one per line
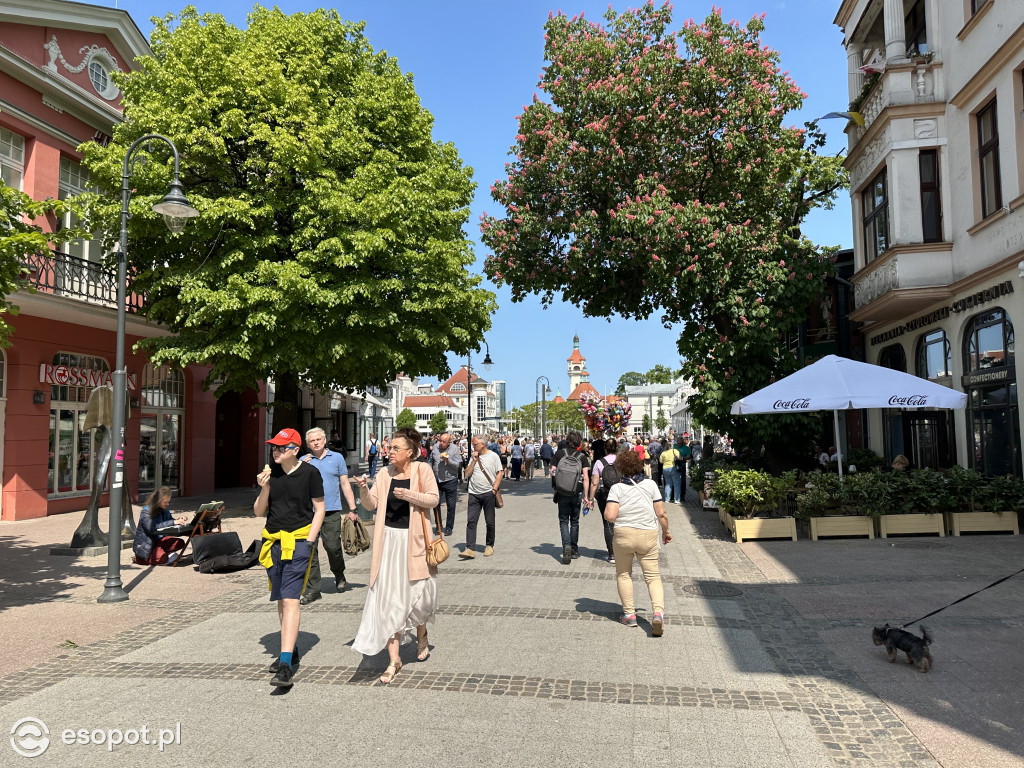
(403, 588)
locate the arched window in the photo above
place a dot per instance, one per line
(988, 342)
(162, 396)
(458, 387)
(163, 387)
(893, 357)
(990, 380)
(934, 360)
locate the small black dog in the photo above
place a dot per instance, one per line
(896, 640)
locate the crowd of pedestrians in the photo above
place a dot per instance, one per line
(409, 480)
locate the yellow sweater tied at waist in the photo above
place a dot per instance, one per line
(287, 539)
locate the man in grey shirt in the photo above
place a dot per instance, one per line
(484, 472)
(445, 460)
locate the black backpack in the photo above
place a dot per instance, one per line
(222, 553)
(609, 477)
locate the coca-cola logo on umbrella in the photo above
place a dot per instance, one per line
(911, 401)
(792, 405)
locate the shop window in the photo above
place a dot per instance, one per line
(934, 359)
(162, 387)
(162, 392)
(988, 160)
(993, 427)
(75, 393)
(12, 158)
(931, 200)
(875, 202)
(73, 449)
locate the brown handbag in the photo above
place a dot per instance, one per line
(437, 550)
(498, 501)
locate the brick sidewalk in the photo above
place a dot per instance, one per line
(766, 658)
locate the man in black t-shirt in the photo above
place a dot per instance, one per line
(293, 504)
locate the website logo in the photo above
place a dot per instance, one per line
(30, 737)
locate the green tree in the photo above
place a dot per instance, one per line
(406, 419)
(330, 247)
(660, 421)
(659, 374)
(568, 413)
(657, 176)
(21, 236)
(645, 424)
(438, 423)
(629, 379)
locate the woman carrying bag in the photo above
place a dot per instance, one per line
(403, 587)
(636, 508)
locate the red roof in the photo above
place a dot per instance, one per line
(558, 399)
(427, 401)
(459, 377)
(584, 386)
(576, 357)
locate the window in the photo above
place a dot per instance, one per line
(99, 76)
(989, 342)
(481, 408)
(993, 422)
(976, 5)
(895, 358)
(458, 387)
(875, 201)
(162, 387)
(988, 160)
(73, 181)
(73, 448)
(916, 30)
(12, 158)
(931, 201)
(934, 359)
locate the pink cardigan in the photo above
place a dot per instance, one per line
(423, 498)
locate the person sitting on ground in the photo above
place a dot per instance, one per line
(151, 547)
(635, 507)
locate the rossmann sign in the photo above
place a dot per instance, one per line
(67, 375)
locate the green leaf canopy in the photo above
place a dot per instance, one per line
(330, 246)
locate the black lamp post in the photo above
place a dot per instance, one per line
(541, 399)
(469, 386)
(176, 211)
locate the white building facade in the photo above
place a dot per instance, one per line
(936, 180)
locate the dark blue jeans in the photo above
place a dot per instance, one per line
(569, 519)
(373, 466)
(449, 495)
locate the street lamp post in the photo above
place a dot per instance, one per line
(469, 386)
(176, 210)
(543, 391)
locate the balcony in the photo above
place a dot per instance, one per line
(904, 83)
(59, 274)
(904, 280)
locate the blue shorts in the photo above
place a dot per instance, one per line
(288, 577)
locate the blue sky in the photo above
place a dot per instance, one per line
(475, 63)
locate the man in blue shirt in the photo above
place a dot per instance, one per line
(445, 460)
(335, 474)
(546, 454)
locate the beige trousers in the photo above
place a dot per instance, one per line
(643, 544)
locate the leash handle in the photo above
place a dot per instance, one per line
(994, 583)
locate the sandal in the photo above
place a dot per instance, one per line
(390, 672)
(422, 647)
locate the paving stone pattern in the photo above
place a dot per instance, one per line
(852, 725)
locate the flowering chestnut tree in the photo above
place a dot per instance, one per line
(657, 176)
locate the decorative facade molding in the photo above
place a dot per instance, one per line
(878, 283)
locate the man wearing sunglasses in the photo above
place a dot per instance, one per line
(293, 504)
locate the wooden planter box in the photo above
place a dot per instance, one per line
(983, 521)
(842, 525)
(744, 528)
(896, 524)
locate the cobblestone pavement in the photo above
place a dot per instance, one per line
(766, 658)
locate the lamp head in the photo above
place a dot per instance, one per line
(488, 362)
(175, 208)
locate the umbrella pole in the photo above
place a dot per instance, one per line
(839, 443)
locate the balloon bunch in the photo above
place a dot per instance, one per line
(605, 419)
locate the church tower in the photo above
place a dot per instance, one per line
(577, 365)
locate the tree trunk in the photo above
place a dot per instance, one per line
(286, 402)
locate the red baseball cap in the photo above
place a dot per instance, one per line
(286, 437)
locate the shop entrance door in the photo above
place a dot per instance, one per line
(929, 438)
(159, 452)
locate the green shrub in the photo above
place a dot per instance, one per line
(964, 486)
(864, 459)
(1001, 494)
(741, 493)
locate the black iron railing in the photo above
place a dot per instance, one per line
(61, 274)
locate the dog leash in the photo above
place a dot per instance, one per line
(994, 583)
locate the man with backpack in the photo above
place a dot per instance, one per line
(604, 476)
(654, 449)
(571, 482)
(372, 454)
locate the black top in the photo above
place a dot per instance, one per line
(397, 513)
(290, 506)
